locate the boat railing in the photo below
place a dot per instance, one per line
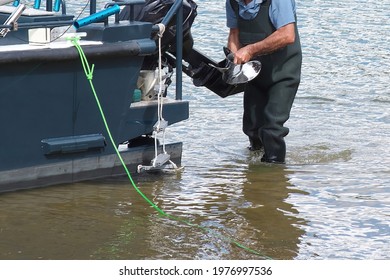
(177, 9)
(50, 6)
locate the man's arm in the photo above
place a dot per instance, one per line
(233, 41)
(279, 39)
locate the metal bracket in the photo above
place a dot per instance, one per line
(160, 126)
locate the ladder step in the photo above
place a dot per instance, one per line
(161, 159)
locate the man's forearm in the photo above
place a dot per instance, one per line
(233, 41)
(279, 39)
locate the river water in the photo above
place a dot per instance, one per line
(330, 201)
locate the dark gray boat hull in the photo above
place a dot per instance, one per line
(77, 170)
(51, 130)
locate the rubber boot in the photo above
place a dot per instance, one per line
(274, 149)
(265, 113)
(255, 144)
(253, 118)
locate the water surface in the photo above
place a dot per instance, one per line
(330, 201)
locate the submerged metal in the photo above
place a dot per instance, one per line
(51, 128)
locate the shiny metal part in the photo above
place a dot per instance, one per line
(12, 19)
(234, 74)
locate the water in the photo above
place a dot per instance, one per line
(330, 201)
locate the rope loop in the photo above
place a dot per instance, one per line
(87, 69)
(161, 29)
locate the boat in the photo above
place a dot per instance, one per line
(52, 131)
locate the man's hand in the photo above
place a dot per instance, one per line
(279, 39)
(243, 55)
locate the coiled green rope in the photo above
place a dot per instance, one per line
(89, 74)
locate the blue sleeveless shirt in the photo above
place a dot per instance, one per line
(281, 13)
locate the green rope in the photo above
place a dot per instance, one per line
(89, 74)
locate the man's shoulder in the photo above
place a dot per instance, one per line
(282, 12)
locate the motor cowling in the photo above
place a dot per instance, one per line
(155, 10)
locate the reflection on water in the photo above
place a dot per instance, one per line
(67, 222)
(330, 201)
(108, 220)
(267, 212)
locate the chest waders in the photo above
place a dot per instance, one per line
(268, 98)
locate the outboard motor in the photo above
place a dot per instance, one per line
(201, 68)
(154, 11)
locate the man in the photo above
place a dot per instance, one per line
(267, 31)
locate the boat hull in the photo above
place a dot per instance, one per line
(76, 170)
(52, 130)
